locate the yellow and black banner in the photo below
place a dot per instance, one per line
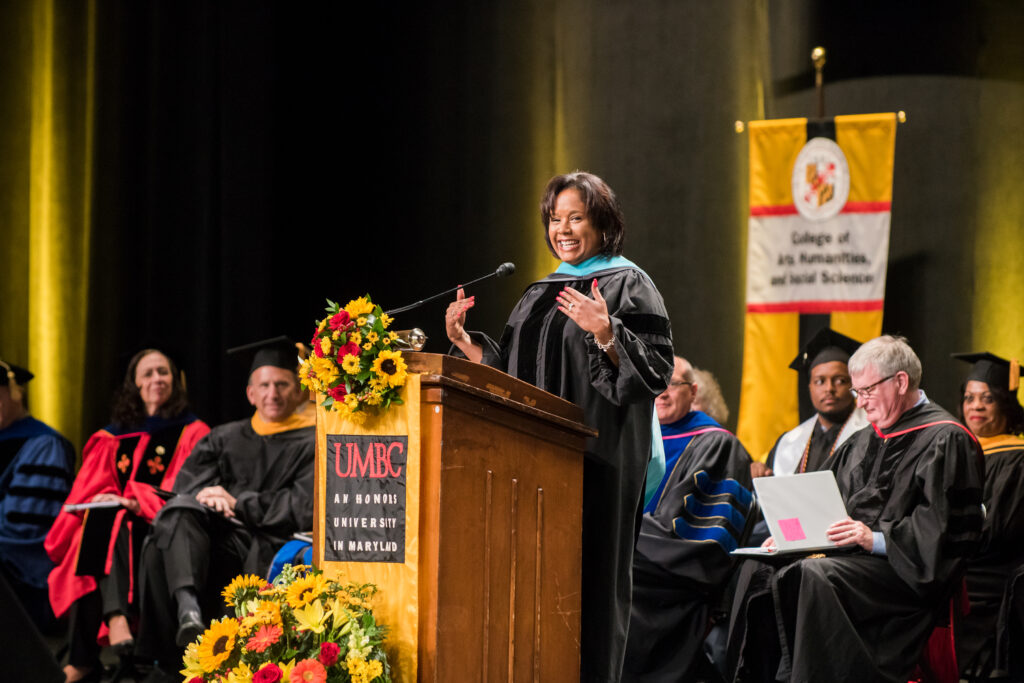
(817, 253)
(367, 507)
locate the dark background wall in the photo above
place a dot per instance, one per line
(251, 159)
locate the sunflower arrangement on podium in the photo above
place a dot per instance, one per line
(354, 365)
(301, 628)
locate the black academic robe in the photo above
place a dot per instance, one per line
(1002, 549)
(271, 476)
(191, 546)
(867, 617)
(544, 347)
(682, 559)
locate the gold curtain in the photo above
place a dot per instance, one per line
(45, 193)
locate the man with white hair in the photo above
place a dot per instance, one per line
(912, 486)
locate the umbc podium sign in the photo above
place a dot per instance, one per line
(464, 506)
(365, 486)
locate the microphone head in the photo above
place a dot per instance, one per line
(505, 269)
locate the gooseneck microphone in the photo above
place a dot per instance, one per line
(504, 270)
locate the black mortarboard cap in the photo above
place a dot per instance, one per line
(10, 370)
(825, 346)
(280, 352)
(991, 369)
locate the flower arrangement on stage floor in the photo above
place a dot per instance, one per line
(302, 628)
(354, 364)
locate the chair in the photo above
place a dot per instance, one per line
(938, 663)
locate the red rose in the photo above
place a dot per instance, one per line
(349, 349)
(340, 320)
(315, 343)
(328, 653)
(196, 679)
(270, 673)
(338, 392)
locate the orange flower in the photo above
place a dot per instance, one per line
(309, 671)
(264, 638)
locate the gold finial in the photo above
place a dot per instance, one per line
(739, 126)
(818, 57)
(901, 116)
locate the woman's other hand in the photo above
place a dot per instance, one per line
(454, 326)
(590, 314)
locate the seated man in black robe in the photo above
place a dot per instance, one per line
(912, 488)
(822, 364)
(697, 516)
(246, 488)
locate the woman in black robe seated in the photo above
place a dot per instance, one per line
(990, 409)
(596, 333)
(152, 432)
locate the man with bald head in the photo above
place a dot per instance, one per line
(696, 517)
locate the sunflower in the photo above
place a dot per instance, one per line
(373, 398)
(358, 307)
(385, 320)
(367, 346)
(217, 644)
(305, 590)
(390, 366)
(351, 364)
(372, 336)
(243, 587)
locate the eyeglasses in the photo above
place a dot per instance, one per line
(865, 392)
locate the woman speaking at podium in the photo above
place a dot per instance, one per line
(594, 332)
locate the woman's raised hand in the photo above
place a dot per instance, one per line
(455, 317)
(454, 326)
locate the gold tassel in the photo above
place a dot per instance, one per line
(1014, 374)
(12, 384)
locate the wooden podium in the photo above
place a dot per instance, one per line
(499, 550)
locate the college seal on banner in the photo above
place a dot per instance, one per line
(821, 180)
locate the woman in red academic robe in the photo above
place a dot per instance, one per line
(126, 466)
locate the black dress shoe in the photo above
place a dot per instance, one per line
(190, 627)
(125, 669)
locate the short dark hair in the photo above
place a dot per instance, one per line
(601, 205)
(130, 411)
(1009, 407)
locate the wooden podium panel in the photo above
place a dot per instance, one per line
(501, 491)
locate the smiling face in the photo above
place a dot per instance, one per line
(982, 413)
(274, 392)
(677, 400)
(570, 231)
(153, 378)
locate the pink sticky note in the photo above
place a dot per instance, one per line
(791, 529)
